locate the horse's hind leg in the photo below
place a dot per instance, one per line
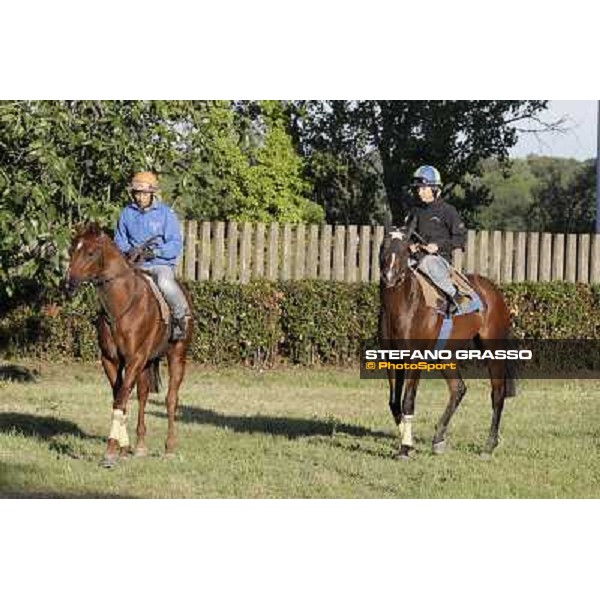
(497, 378)
(176, 361)
(143, 389)
(458, 389)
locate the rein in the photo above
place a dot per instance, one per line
(99, 283)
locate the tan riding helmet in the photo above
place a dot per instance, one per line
(144, 181)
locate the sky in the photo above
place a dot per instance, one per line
(579, 141)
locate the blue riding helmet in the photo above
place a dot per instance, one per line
(426, 175)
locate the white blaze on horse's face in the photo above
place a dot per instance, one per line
(394, 235)
(390, 270)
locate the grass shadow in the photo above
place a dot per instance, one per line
(288, 427)
(17, 373)
(12, 486)
(41, 427)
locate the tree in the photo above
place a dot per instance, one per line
(455, 136)
(565, 194)
(63, 162)
(512, 187)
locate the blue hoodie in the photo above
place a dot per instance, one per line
(136, 226)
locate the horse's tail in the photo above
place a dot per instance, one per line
(155, 380)
(510, 376)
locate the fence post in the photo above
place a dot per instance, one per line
(363, 256)
(232, 250)
(583, 258)
(595, 260)
(245, 251)
(325, 253)
(218, 250)
(312, 258)
(179, 264)
(520, 257)
(300, 248)
(351, 247)
(533, 256)
(191, 232)
(495, 259)
(571, 260)
(507, 257)
(546, 257)
(558, 257)
(471, 251)
(484, 240)
(204, 262)
(286, 257)
(338, 253)
(378, 233)
(258, 265)
(273, 252)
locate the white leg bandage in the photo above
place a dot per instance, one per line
(118, 428)
(405, 428)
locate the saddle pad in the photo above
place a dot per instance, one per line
(165, 313)
(433, 295)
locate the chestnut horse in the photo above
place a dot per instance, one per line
(406, 322)
(132, 337)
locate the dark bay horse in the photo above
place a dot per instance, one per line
(406, 322)
(132, 337)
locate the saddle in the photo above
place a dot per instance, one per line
(165, 311)
(435, 298)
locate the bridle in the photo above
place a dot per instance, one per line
(99, 282)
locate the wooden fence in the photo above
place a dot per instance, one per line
(245, 251)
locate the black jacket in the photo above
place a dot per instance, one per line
(439, 223)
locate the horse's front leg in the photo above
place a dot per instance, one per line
(396, 382)
(408, 413)
(118, 438)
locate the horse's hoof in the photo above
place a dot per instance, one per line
(486, 455)
(439, 447)
(140, 452)
(125, 453)
(109, 461)
(403, 453)
(170, 455)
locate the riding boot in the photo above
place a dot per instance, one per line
(179, 328)
(459, 302)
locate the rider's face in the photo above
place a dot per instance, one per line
(426, 194)
(142, 199)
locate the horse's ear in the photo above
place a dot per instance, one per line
(94, 228)
(78, 228)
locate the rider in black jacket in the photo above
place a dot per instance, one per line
(441, 230)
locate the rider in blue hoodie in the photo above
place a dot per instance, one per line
(148, 234)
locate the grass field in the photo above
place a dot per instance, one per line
(320, 433)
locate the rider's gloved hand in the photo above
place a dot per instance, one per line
(148, 254)
(140, 254)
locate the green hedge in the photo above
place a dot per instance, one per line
(303, 322)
